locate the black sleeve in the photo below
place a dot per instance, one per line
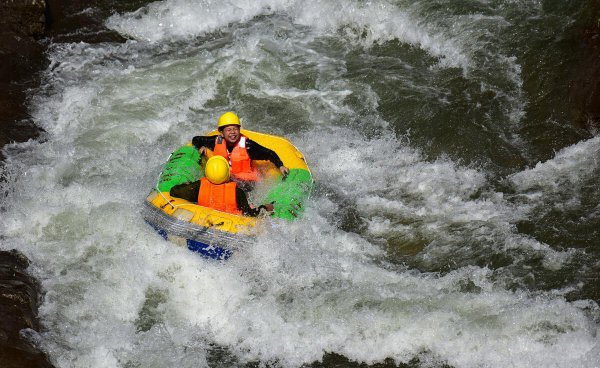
(204, 141)
(187, 191)
(243, 205)
(258, 152)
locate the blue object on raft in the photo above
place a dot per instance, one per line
(218, 253)
(210, 251)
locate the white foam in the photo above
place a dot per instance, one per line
(401, 194)
(570, 166)
(372, 22)
(186, 18)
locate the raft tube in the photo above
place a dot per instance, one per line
(217, 234)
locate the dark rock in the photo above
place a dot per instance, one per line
(24, 17)
(22, 58)
(585, 91)
(19, 300)
(22, 22)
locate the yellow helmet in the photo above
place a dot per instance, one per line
(217, 170)
(228, 118)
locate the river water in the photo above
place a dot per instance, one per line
(455, 216)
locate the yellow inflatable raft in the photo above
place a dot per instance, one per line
(214, 233)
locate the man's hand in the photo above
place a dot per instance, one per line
(202, 150)
(284, 171)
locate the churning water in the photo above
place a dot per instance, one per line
(455, 215)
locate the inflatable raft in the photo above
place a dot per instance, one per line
(217, 234)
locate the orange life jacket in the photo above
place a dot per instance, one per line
(239, 160)
(220, 197)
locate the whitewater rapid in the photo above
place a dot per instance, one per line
(400, 255)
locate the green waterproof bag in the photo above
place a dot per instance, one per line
(290, 193)
(183, 166)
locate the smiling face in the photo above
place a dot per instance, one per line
(231, 133)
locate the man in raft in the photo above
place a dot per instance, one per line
(237, 149)
(216, 191)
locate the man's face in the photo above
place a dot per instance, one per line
(231, 133)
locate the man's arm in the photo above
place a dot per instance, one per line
(258, 152)
(204, 141)
(187, 191)
(244, 206)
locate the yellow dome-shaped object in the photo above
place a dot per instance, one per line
(217, 170)
(228, 118)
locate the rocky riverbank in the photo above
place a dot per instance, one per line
(26, 28)
(19, 299)
(22, 24)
